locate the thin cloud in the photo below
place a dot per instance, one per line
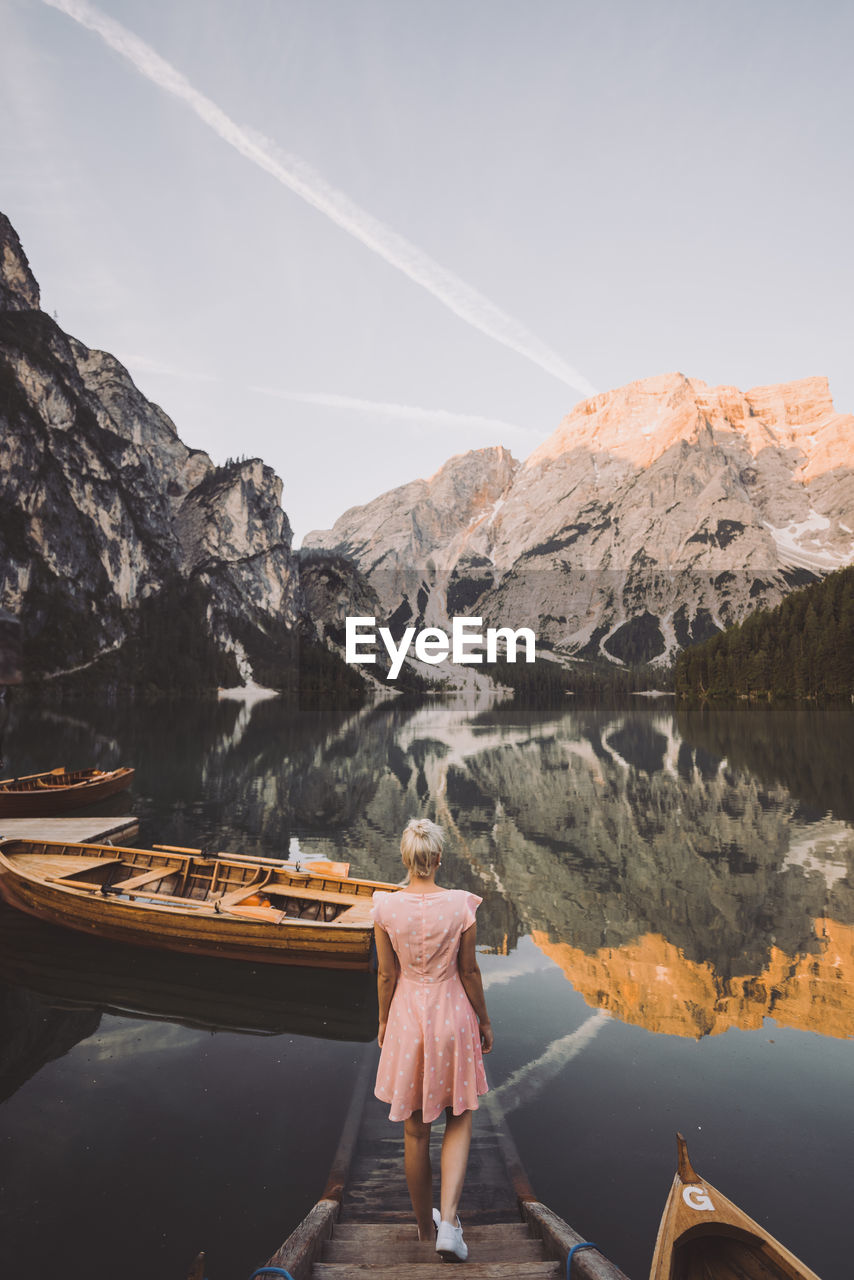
(299, 177)
(393, 412)
(145, 364)
(386, 410)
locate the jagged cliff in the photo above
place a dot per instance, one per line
(654, 515)
(422, 545)
(112, 530)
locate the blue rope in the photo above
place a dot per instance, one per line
(271, 1271)
(583, 1244)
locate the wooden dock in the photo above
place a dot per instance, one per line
(363, 1225)
(72, 830)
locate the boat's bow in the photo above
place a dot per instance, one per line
(704, 1236)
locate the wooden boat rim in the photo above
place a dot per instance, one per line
(228, 859)
(29, 777)
(93, 775)
(177, 908)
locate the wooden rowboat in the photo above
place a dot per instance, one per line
(39, 795)
(229, 905)
(704, 1236)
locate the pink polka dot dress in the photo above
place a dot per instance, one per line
(431, 1056)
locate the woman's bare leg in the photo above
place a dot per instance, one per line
(419, 1175)
(455, 1158)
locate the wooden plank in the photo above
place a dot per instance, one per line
(69, 829)
(390, 1233)
(276, 890)
(305, 1242)
(487, 1248)
(89, 885)
(147, 877)
(49, 864)
(235, 896)
(558, 1238)
(400, 1211)
(68, 881)
(438, 1270)
(358, 914)
(269, 914)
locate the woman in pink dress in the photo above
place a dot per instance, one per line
(434, 1028)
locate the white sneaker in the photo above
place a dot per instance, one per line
(450, 1243)
(437, 1218)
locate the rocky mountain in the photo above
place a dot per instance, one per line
(654, 515)
(112, 530)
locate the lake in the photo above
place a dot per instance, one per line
(667, 942)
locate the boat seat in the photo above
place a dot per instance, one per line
(47, 865)
(291, 891)
(267, 914)
(236, 896)
(66, 864)
(358, 914)
(73, 883)
(145, 877)
(315, 895)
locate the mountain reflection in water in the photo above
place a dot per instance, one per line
(674, 889)
(688, 872)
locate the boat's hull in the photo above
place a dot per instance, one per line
(52, 799)
(724, 1257)
(307, 942)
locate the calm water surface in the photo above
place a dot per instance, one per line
(668, 934)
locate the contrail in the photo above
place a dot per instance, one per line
(528, 1080)
(507, 973)
(388, 409)
(300, 178)
(374, 408)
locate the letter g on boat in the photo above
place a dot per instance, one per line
(697, 1197)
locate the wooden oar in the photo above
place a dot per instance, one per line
(292, 867)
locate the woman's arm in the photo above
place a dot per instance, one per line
(473, 983)
(386, 977)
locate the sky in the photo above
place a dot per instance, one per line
(356, 237)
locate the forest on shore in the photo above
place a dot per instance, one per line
(802, 649)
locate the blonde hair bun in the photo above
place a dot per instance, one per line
(421, 846)
(423, 826)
